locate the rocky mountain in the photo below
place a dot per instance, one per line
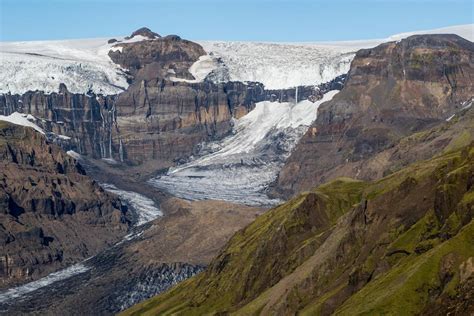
(399, 239)
(392, 91)
(52, 213)
(157, 119)
(402, 244)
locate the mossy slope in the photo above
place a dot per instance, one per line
(393, 246)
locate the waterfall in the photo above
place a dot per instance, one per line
(121, 150)
(296, 95)
(110, 142)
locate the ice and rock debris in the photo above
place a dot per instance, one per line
(240, 167)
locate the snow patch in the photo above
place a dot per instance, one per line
(200, 69)
(29, 120)
(73, 154)
(23, 120)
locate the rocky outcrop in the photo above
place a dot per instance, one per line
(51, 213)
(392, 91)
(399, 245)
(145, 32)
(158, 57)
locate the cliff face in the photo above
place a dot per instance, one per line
(392, 91)
(52, 213)
(348, 247)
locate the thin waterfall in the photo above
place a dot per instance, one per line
(121, 150)
(110, 142)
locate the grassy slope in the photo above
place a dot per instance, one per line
(403, 248)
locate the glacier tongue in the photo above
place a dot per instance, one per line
(240, 167)
(146, 208)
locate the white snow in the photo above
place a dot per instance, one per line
(29, 120)
(450, 118)
(22, 290)
(82, 65)
(240, 167)
(73, 154)
(286, 65)
(279, 65)
(23, 120)
(145, 207)
(466, 31)
(200, 69)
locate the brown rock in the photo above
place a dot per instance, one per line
(392, 91)
(52, 214)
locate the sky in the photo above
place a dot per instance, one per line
(249, 20)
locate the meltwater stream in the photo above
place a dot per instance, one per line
(240, 167)
(146, 210)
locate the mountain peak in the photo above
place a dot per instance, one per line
(146, 32)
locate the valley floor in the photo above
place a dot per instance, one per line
(159, 252)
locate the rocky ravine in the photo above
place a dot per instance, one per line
(392, 91)
(52, 213)
(154, 257)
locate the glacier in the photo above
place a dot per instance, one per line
(240, 167)
(82, 65)
(145, 208)
(19, 291)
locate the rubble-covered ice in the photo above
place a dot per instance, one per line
(146, 208)
(19, 291)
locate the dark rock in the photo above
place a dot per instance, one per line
(146, 32)
(43, 206)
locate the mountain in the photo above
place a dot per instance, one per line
(192, 136)
(392, 91)
(399, 240)
(52, 213)
(401, 244)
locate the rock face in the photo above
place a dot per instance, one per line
(52, 213)
(87, 119)
(157, 57)
(348, 247)
(392, 91)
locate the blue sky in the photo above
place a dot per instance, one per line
(263, 20)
